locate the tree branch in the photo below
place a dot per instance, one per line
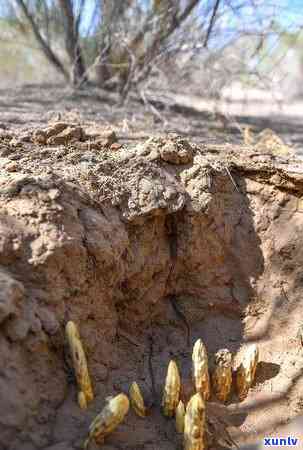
(50, 55)
(211, 23)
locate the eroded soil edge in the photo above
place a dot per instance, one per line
(105, 236)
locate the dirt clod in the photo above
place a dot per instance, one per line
(177, 152)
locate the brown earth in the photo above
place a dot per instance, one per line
(104, 233)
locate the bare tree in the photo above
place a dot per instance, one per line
(127, 43)
(40, 18)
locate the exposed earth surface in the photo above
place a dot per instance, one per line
(145, 223)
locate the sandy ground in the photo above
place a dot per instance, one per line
(266, 249)
(34, 105)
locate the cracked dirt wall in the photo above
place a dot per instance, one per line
(105, 238)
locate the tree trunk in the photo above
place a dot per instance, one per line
(72, 46)
(113, 60)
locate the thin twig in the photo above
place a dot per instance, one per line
(130, 75)
(151, 107)
(211, 23)
(232, 180)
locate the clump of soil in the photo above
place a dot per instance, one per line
(106, 236)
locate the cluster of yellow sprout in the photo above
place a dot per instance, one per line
(191, 418)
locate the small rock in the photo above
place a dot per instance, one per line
(179, 152)
(69, 134)
(108, 137)
(115, 146)
(40, 137)
(12, 167)
(55, 128)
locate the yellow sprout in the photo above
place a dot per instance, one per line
(171, 393)
(222, 375)
(180, 414)
(136, 400)
(110, 417)
(247, 370)
(194, 424)
(200, 369)
(79, 364)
